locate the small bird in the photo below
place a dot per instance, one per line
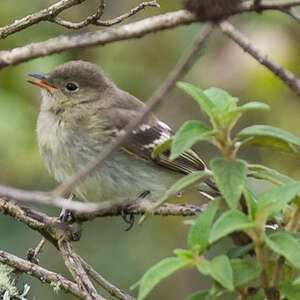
(82, 111)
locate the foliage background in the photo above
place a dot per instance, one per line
(139, 66)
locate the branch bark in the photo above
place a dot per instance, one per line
(72, 262)
(100, 37)
(285, 75)
(40, 273)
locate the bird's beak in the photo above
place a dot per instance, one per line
(43, 82)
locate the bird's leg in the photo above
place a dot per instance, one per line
(129, 218)
(66, 216)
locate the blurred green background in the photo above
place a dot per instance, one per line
(139, 66)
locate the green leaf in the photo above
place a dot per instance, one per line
(271, 175)
(219, 269)
(244, 271)
(278, 198)
(253, 105)
(286, 245)
(183, 253)
(205, 103)
(201, 295)
(187, 135)
(199, 232)
(222, 100)
(240, 251)
(161, 148)
(289, 290)
(270, 137)
(251, 203)
(230, 221)
(186, 181)
(230, 177)
(158, 272)
(231, 117)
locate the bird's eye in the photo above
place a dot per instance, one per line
(71, 86)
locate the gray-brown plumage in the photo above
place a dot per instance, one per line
(82, 111)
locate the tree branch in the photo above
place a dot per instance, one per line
(94, 18)
(43, 15)
(100, 37)
(110, 288)
(40, 273)
(39, 197)
(74, 266)
(286, 76)
(292, 13)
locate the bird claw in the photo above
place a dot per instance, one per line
(130, 218)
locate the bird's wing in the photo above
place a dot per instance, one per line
(148, 136)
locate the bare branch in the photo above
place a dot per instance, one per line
(110, 288)
(32, 254)
(286, 76)
(132, 12)
(73, 264)
(278, 4)
(125, 32)
(44, 275)
(180, 69)
(47, 199)
(43, 15)
(292, 13)
(100, 37)
(141, 208)
(94, 18)
(89, 20)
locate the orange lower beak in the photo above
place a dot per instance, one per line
(42, 82)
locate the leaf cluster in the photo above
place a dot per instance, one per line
(257, 265)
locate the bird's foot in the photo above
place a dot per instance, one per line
(130, 218)
(66, 216)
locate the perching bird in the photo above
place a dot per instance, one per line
(82, 111)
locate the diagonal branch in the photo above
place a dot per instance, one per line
(110, 288)
(285, 75)
(73, 263)
(292, 13)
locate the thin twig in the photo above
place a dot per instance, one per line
(44, 198)
(89, 20)
(44, 275)
(286, 76)
(101, 37)
(125, 32)
(94, 18)
(43, 15)
(72, 262)
(32, 254)
(179, 70)
(110, 288)
(132, 12)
